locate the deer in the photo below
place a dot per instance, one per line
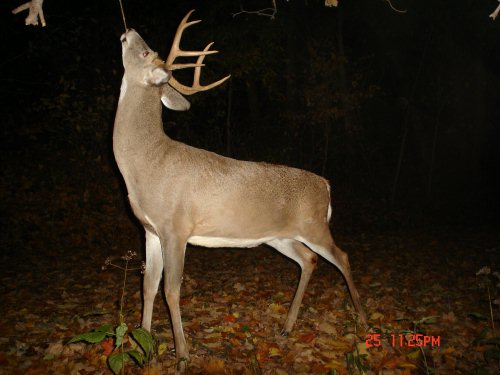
(184, 195)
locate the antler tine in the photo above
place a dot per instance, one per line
(197, 87)
(197, 71)
(199, 63)
(176, 51)
(190, 90)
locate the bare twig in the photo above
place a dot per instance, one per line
(266, 12)
(494, 15)
(35, 12)
(395, 9)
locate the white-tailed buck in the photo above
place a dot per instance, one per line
(186, 195)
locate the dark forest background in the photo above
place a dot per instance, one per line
(401, 112)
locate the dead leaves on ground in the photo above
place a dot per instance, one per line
(233, 314)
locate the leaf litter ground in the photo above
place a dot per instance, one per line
(234, 303)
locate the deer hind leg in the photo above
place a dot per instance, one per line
(173, 264)
(307, 260)
(152, 276)
(339, 258)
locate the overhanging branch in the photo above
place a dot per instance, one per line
(35, 12)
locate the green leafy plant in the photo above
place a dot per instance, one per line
(356, 360)
(120, 356)
(415, 334)
(417, 327)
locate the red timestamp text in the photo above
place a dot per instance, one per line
(399, 339)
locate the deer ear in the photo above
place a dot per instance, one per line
(157, 76)
(173, 100)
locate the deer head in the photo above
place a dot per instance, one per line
(143, 66)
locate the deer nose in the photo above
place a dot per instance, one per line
(124, 35)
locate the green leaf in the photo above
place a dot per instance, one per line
(359, 363)
(108, 328)
(120, 333)
(477, 315)
(90, 337)
(117, 361)
(350, 359)
(145, 340)
(136, 356)
(95, 336)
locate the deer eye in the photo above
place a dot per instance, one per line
(145, 54)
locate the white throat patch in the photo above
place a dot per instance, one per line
(123, 89)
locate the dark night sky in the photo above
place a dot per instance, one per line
(428, 80)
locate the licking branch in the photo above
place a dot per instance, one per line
(35, 12)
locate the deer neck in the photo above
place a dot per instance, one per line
(138, 129)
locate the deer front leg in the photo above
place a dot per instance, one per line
(173, 264)
(307, 260)
(152, 276)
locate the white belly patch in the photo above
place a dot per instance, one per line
(227, 242)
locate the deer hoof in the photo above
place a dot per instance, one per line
(181, 365)
(284, 332)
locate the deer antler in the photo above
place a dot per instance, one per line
(176, 51)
